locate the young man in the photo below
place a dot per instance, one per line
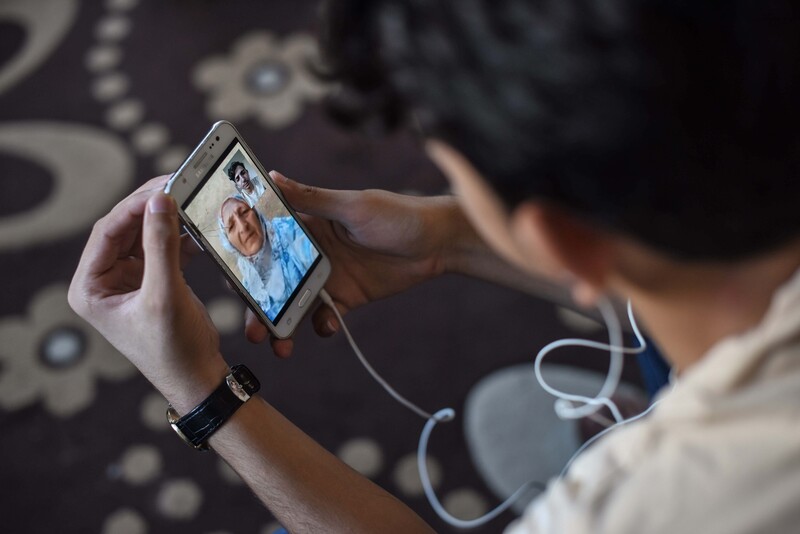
(641, 149)
(249, 186)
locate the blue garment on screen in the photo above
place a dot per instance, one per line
(292, 255)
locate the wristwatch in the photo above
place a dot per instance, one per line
(197, 426)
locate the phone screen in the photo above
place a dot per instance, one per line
(250, 229)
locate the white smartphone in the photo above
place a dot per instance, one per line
(234, 211)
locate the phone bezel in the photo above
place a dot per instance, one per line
(192, 173)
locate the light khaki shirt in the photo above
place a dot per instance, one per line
(720, 453)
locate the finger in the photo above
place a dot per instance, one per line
(256, 332)
(229, 285)
(282, 347)
(325, 321)
(317, 201)
(151, 186)
(114, 235)
(159, 182)
(161, 243)
(148, 188)
(254, 329)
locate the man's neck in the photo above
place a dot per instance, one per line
(687, 309)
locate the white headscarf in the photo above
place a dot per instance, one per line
(264, 283)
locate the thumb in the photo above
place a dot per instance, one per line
(316, 201)
(161, 244)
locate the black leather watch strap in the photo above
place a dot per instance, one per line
(198, 425)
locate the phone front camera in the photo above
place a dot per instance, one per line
(217, 138)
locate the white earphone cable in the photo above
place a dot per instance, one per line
(564, 406)
(326, 298)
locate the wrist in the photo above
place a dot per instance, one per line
(186, 389)
(198, 425)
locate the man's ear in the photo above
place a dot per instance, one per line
(565, 247)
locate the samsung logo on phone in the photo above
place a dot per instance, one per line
(200, 171)
(198, 165)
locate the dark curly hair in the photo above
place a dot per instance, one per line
(232, 169)
(674, 122)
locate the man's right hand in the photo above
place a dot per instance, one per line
(379, 244)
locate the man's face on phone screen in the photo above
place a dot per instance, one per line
(242, 179)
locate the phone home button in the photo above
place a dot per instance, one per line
(304, 298)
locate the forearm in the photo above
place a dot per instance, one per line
(304, 486)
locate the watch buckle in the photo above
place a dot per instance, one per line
(236, 388)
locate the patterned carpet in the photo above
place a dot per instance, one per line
(95, 98)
